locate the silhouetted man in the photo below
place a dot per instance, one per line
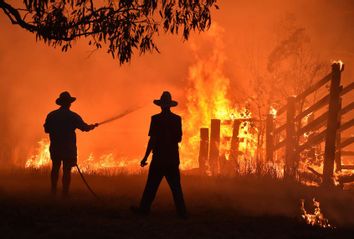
(165, 134)
(61, 125)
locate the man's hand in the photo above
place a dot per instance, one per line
(143, 162)
(94, 125)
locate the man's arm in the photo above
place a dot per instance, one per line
(47, 125)
(150, 146)
(81, 125)
(148, 151)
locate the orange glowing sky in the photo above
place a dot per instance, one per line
(33, 74)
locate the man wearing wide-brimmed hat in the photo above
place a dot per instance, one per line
(165, 134)
(61, 125)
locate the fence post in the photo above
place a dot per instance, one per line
(269, 137)
(214, 145)
(235, 140)
(312, 149)
(332, 125)
(290, 147)
(338, 157)
(203, 149)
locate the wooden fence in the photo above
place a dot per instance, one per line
(209, 151)
(330, 119)
(294, 129)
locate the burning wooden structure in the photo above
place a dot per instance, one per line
(294, 136)
(209, 152)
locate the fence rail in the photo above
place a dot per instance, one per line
(330, 120)
(327, 127)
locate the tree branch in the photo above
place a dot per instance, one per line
(124, 27)
(15, 16)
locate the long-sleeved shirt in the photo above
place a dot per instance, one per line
(165, 132)
(61, 124)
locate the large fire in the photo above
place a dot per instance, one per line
(207, 98)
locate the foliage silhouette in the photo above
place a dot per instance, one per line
(123, 26)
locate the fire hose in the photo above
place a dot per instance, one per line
(86, 183)
(100, 123)
(119, 115)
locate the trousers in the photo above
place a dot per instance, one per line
(155, 176)
(67, 165)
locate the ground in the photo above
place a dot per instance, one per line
(240, 207)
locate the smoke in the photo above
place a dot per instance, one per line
(33, 74)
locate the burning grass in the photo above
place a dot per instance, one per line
(316, 218)
(220, 207)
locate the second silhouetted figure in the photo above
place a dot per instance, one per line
(165, 134)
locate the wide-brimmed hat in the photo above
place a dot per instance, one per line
(165, 100)
(65, 98)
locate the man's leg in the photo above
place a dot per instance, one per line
(173, 180)
(66, 177)
(154, 179)
(55, 175)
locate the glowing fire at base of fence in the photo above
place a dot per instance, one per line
(316, 218)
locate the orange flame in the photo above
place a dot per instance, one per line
(207, 98)
(316, 218)
(106, 163)
(41, 158)
(273, 112)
